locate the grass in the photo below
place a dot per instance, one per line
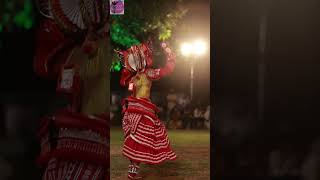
(191, 146)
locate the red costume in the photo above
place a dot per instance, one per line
(146, 139)
(74, 144)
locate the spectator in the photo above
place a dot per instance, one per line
(171, 102)
(207, 117)
(187, 116)
(196, 117)
(111, 116)
(201, 119)
(185, 101)
(175, 119)
(180, 100)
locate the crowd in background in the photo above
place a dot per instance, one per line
(177, 111)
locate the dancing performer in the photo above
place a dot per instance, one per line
(72, 48)
(146, 140)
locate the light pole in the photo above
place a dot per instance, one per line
(194, 50)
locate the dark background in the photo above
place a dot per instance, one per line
(24, 99)
(292, 89)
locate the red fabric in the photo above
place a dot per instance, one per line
(43, 158)
(168, 68)
(99, 123)
(156, 74)
(142, 50)
(59, 169)
(171, 61)
(84, 156)
(125, 77)
(78, 145)
(52, 49)
(43, 128)
(146, 139)
(144, 102)
(67, 119)
(73, 148)
(89, 47)
(147, 51)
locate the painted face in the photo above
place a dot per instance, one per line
(137, 57)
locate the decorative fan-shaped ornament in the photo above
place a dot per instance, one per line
(95, 12)
(44, 8)
(79, 15)
(67, 13)
(135, 60)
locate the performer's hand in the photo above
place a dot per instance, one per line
(165, 47)
(125, 77)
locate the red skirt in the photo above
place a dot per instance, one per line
(74, 146)
(73, 170)
(146, 139)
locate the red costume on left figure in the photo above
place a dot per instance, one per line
(74, 144)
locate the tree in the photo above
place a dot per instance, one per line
(143, 18)
(16, 15)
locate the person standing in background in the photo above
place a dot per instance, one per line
(196, 117)
(207, 117)
(171, 102)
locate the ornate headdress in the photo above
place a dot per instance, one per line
(137, 57)
(76, 15)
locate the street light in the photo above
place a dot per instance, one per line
(197, 48)
(186, 49)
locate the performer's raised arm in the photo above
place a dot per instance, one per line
(126, 74)
(125, 77)
(156, 74)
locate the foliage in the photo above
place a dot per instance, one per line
(16, 14)
(115, 66)
(141, 19)
(145, 17)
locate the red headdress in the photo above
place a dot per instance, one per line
(76, 15)
(137, 57)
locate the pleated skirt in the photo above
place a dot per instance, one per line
(146, 139)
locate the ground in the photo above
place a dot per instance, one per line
(191, 146)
